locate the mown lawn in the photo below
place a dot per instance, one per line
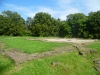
(30, 46)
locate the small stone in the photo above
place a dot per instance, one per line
(96, 61)
(97, 68)
(93, 51)
(55, 64)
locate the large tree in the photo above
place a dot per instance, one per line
(3, 24)
(77, 22)
(93, 24)
(44, 25)
(28, 24)
(65, 29)
(12, 24)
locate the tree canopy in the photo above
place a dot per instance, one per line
(93, 24)
(44, 25)
(76, 25)
(11, 23)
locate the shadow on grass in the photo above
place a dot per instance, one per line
(3, 69)
(5, 64)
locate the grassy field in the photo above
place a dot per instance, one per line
(30, 46)
(70, 63)
(95, 46)
(5, 64)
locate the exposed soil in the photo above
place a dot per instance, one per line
(65, 40)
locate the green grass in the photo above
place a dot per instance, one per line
(30, 46)
(71, 64)
(5, 64)
(95, 46)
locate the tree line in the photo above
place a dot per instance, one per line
(76, 25)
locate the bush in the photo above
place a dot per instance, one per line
(91, 36)
(85, 34)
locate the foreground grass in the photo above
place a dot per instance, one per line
(30, 46)
(71, 64)
(5, 64)
(95, 45)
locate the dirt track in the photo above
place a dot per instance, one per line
(74, 40)
(66, 40)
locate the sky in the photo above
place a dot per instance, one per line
(57, 8)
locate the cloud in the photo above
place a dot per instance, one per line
(54, 13)
(30, 12)
(92, 5)
(61, 10)
(0, 12)
(26, 11)
(15, 7)
(63, 4)
(65, 7)
(58, 13)
(79, 6)
(63, 14)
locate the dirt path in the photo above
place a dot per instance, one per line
(73, 40)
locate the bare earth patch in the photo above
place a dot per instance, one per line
(72, 40)
(66, 40)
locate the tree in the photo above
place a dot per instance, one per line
(44, 25)
(65, 29)
(78, 24)
(28, 24)
(12, 24)
(54, 27)
(93, 24)
(3, 24)
(28, 21)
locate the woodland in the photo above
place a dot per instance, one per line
(76, 25)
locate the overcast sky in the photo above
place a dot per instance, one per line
(57, 8)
